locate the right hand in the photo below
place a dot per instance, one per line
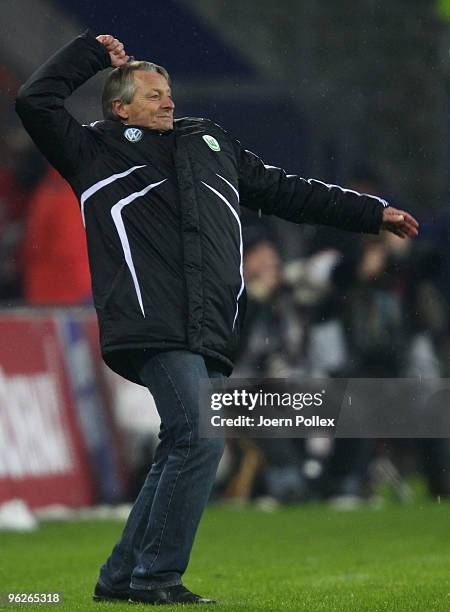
(115, 49)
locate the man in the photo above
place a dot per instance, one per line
(53, 243)
(160, 201)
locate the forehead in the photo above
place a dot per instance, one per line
(150, 80)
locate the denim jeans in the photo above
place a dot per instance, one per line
(154, 549)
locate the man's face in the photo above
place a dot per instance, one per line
(262, 269)
(152, 105)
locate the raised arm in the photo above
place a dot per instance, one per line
(310, 201)
(41, 100)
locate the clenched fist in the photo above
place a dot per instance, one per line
(115, 49)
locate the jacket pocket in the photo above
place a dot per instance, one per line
(116, 280)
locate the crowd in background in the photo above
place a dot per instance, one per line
(43, 256)
(353, 306)
(349, 306)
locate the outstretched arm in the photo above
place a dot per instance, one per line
(40, 101)
(302, 200)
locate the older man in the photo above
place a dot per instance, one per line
(161, 200)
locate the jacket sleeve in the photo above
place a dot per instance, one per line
(40, 103)
(300, 200)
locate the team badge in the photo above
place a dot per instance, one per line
(133, 134)
(211, 142)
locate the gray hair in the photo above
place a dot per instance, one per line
(120, 84)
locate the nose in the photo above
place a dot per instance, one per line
(168, 103)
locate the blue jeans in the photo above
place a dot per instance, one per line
(154, 549)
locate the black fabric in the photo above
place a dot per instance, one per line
(162, 214)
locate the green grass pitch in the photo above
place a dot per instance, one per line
(307, 558)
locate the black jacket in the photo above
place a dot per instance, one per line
(162, 214)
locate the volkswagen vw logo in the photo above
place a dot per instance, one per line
(133, 134)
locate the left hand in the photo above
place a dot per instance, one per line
(399, 222)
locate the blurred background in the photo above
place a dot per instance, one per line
(352, 92)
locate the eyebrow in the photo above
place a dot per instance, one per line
(168, 90)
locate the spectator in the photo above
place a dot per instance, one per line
(55, 265)
(21, 169)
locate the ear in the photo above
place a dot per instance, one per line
(120, 109)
